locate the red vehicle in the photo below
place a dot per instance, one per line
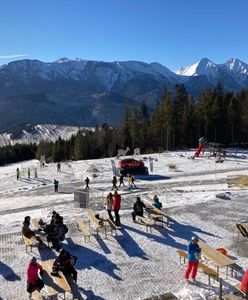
(130, 163)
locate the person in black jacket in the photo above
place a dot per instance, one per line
(138, 208)
(56, 185)
(65, 263)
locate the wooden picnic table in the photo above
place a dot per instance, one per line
(156, 211)
(216, 257)
(96, 222)
(54, 284)
(35, 224)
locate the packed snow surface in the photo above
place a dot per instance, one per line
(135, 263)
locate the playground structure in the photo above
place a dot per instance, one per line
(216, 150)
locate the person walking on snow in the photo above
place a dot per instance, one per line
(132, 182)
(87, 181)
(17, 173)
(121, 180)
(56, 185)
(116, 207)
(58, 167)
(29, 173)
(129, 179)
(194, 252)
(114, 182)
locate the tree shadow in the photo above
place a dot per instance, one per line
(8, 273)
(129, 245)
(92, 259)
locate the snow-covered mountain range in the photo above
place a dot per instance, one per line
(86, 93)
(38, 133)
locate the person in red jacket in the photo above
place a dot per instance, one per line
(34, 282)
(244, 283)
(116, 207)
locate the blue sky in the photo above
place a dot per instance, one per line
(172, 32)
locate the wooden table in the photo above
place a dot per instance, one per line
(157, 211)
(54, 284)
(215, 256)
(35, 224)
(95, 222)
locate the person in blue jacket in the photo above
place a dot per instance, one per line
(194, 252)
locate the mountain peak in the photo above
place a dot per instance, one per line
(204, 67)
(62, 60)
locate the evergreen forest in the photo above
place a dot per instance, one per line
(178, 121)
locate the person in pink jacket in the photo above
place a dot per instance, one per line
(116, 207)
(34, 282)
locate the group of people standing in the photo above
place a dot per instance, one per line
(18, 173)
(130, 180)
(113, 203)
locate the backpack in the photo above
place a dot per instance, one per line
(65, 228)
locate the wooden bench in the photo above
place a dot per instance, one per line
(95, 222)
(54, 285)
(209, 271)
(28, 243)
(36, 295)
(148, 222)
(157, 218)
(110, 224)
(84, 229)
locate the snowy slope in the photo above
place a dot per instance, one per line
(35, 134)
(134, 264)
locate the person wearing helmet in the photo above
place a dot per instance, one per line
(34, 282)
(194, 252)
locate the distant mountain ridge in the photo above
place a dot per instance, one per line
(87, 93)
(36, 134)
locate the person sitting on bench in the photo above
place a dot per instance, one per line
(138, 208)
(244, 283)
(156, 203)
(27, 232)
(65, 263)
(34, 282)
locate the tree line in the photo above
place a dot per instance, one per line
(177, 121)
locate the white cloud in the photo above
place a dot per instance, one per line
(13, 56)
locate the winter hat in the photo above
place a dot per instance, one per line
(194, 238)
